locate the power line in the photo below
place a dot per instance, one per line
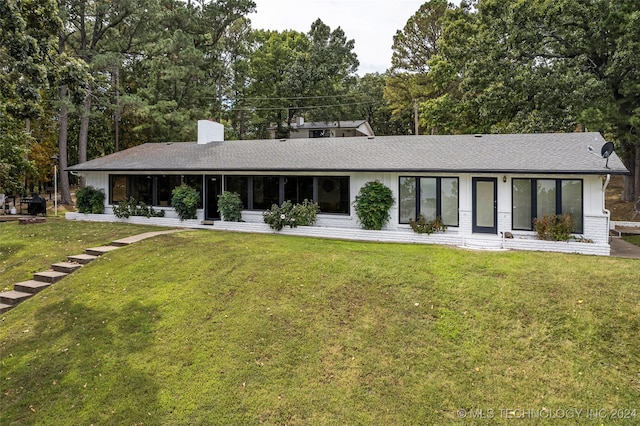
(294, 97)
(301, 107)
(350, 95)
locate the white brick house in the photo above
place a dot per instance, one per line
(485, 187)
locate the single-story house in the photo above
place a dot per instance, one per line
(486, 188)
(325, 129)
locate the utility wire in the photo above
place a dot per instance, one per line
(295, 97)
(300, 107)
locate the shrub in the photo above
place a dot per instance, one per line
(372, 205)
(230, 206)
(554, 227)
(291, 215)
(90, 200)
(421, 226)
(131, 207)
(305, 213)
(185, 200)
(278, 217)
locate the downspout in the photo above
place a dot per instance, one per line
(604, 199)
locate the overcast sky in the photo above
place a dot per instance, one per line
(371, 23)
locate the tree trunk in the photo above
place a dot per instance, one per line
(628, 190)
(116, 115)
(636, 174)
(65, 193)
(27, 129)
(84, 132)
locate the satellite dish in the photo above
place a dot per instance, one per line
(607, 149)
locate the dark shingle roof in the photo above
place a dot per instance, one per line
(513, 153)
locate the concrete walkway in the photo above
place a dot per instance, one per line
(134, 239)
(622, 248)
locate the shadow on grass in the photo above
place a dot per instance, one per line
(10, 248)
(81, 360)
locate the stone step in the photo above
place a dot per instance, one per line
(66, 267)
(31, 286)
(13, 297)
(119, 243)
(49, 276)
(82, 259)
(99, 251)
(4, 308)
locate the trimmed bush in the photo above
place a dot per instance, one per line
(131, 207)
(230, 206)
(554, 227)
(422, 226)
(306, 213)
(291, 215)
(185, 200)
(90, 200)
(372, 205)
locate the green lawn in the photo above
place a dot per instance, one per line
(25, 249)
(222, 328)
(633, 239)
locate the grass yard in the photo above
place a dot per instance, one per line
(633, 239)
(222, 328)
(25, 249)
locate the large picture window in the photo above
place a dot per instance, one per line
(533, 198)
(298, 188)
(260, 192)
(430, 197)
(333, 194)
(239, 185)
(164, 187)
(155, 190)
(266, 192)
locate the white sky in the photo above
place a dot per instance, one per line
(371, 23)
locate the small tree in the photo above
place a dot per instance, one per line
(230, 206)
(372, 205)
(185, 200)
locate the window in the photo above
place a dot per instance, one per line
(319, 134)
(449, 201)
(118, 186)
(239, 185)
(408, 203)
(534, 198)
(150, 189)
(195, 181)
(333, 194)
(139, 187)
(430, 197)
(521, 195)
(571, 200)
(266, 192)
(260, 192)
(298, 188)
(164, 187)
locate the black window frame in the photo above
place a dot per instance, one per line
(438, 197)
(247, 197)
(558, 200)
(151, 198)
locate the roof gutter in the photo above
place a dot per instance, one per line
(523, 172)
(604, 200)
